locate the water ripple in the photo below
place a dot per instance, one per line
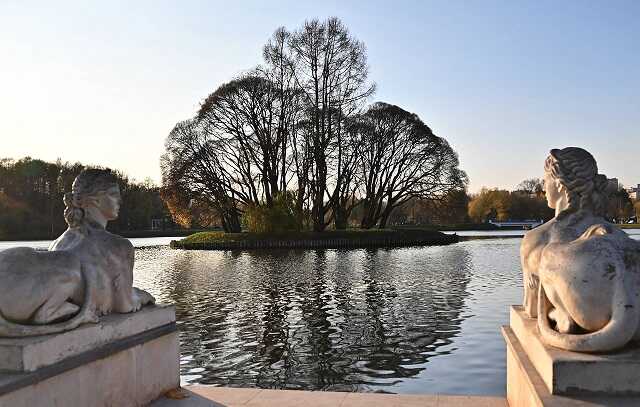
(414, 320)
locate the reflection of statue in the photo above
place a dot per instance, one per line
(87, 271)
(580, 272)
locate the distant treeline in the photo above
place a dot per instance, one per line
(528, 201)
(31, 205)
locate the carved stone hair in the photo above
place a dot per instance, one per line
(89, 183)
(577, 171)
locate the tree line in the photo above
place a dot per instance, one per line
(31, 199)
(528, 201)
(294, 138)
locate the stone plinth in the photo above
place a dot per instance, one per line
(125, 360)
(539, 375)
(31, 353)
(565, 372)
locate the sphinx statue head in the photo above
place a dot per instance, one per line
(572, 182)
(94, 199)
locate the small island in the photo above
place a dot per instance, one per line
(333, 239)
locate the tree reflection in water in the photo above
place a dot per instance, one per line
(325, 319)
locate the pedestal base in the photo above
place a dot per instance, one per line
(130, 365)
(566, 372)
(538, 375)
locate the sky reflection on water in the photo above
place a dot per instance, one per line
(414, 320)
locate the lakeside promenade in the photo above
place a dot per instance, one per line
(210, 396)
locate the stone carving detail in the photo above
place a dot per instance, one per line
(87, 272)
(581, 273)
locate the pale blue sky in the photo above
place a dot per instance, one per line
(503, 81)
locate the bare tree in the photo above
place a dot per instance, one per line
(296, 122)
(247, 118)
(330, 67)
(279, 63)
(402, 159)
(191, 170)
(345, 158)
(531, 186)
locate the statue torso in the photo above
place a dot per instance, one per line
(561, 229)
(107, 261)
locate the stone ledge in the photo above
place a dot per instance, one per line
(209, 396)
(565, 372)
(525, 387)
(32, 353)
(10, 382)
(139, 370)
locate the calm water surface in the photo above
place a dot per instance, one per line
(413, 320)
(44, 244)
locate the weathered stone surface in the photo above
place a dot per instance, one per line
(581, 273)
(31, 353)
(132, 377)
(125, 360)
(526, 388)
(565, 372)
(209, 396)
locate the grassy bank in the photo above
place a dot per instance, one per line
(629, 225)
(333, 239)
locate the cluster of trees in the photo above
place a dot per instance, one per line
(31, 199)
(295, 136)
(621, 207)
(457, 207)
(450, 209)
(501, 205)
(528, 202)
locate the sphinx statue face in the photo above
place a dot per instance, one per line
(555, 193)
(108, 202)
(551, 189)
(103, 206)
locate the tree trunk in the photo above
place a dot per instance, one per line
(368, 218)
(341, 218)
(299, 210)
(231, 222)
(384, 219)
(318, 200)
(318, 214)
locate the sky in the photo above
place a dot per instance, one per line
(104, 83)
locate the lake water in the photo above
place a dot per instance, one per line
(412, 320)
(137, 242)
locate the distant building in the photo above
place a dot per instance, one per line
(156, 224)
(634, 192)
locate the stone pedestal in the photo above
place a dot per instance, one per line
(539, 375)
(125, 360)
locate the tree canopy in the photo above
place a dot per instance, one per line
(298, 126)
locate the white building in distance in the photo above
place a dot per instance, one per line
(634, 192)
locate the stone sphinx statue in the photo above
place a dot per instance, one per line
(87, 272)
(581, 273)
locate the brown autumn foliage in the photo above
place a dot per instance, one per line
(502, 205)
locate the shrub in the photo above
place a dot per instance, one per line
(279, 217)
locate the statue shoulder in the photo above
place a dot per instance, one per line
(70, 239)
(115, 240)
(105, 242)
(539, 235)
